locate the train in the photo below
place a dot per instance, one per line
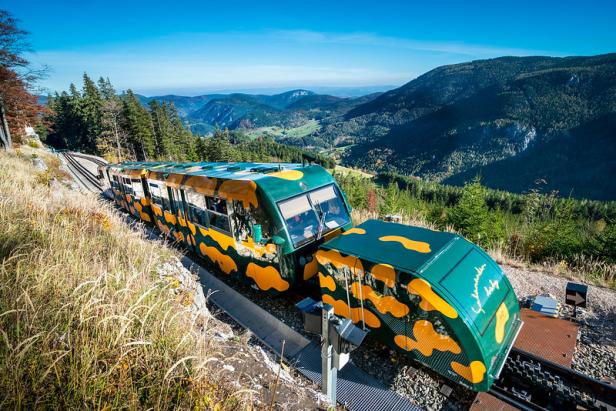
(431, 295)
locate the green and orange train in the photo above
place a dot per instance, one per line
(431, 295)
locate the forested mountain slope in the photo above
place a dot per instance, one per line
(456, 121)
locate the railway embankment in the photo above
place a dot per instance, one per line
(94, 315)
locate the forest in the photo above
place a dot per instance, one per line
(97, 120)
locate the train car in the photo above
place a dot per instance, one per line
(431, 295)
(127, 182)
(262, 222)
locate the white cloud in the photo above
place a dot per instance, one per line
(374, 40)
(235, 60)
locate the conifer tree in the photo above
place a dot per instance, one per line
(163, 138)
(91, 107)
(138, 124)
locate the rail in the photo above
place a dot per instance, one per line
(530, 382)
(89, 158)
(90, 178)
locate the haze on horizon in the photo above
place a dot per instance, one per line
(192, 48)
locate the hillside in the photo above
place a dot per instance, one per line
(490, 117)
(289, 110)
(95, 315)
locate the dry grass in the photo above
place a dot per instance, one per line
(85, 321)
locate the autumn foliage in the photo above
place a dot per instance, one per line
(17, 79)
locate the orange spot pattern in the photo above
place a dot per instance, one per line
(311, 268)
(223, 240)
(157, 210)
(427, 340)
(385, 304)
(259, 250)
(473, 373)
(502, 315)
(336, 259)
(174, 180)
(291, 175)
(419, 246)
(226, 263)
(266, 277)
(240, 190)
(326, 281)
(429, 299)
(170, 218)
(355, 314)
(355, 230)
(384, 273)
(202, 184)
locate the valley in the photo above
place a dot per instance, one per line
(555, 116)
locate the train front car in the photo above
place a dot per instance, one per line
(260, 222)
(431, 295)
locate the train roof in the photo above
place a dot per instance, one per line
(453, 266)
(277, 180)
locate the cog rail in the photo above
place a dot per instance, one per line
(529, 382)
(89, 177)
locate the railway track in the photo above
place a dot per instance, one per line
(85, 176)
(93, 159)
(529, 382)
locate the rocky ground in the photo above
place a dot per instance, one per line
(238, 358)
(596, 348)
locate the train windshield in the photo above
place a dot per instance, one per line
(311, 215)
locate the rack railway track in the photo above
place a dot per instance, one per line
(529, 382)
(85, 176)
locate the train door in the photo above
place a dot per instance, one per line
(182, 214)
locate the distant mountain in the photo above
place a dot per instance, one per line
(512, 119)
(237, 109)
(290, 109)
(185, 105)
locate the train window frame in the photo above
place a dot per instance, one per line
(128, 186)
(217, 214)
(137, 187)
(192, 199)
(156, 199)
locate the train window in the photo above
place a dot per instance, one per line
(242, 221)
(197, 208)
(216, 204)
(155, 193)
(128, 189)
(167, 197)
(301, 219)
(137, 187)
(114, 182)
(217, 213)
(329, 205)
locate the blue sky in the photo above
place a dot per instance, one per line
(202, 46)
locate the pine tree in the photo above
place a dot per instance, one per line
(138, 124)
(91, 108)
(163, 137)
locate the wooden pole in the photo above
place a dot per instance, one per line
(5, 133)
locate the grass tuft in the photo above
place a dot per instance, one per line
(85, 320)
